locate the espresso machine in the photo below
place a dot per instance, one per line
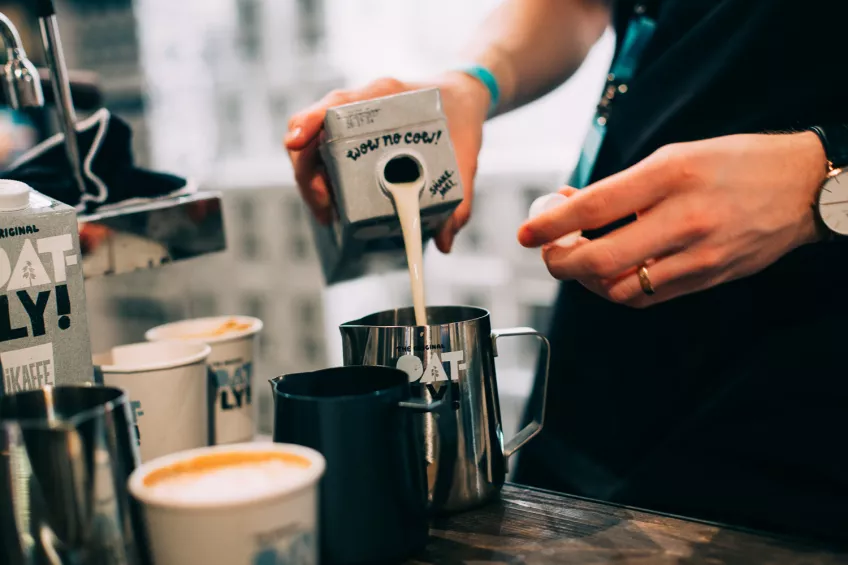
(131, 235)
(65, 451)
(135, 236)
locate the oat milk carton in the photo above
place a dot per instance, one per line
(363, 141)
(43, 328)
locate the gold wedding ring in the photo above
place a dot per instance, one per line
(645, 281)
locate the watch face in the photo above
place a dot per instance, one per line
(833, 203)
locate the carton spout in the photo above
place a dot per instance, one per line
(401, 171)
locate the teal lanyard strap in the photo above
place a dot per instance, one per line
(639, 32)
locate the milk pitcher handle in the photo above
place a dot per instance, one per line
(534, 427)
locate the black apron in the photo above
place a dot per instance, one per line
(731, 404)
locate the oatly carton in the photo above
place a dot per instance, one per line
(361, 143)
(43, 328)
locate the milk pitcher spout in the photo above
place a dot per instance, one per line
(273, 382)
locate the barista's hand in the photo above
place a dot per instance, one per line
(466, 103)
(708, 212)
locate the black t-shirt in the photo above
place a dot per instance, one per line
(730, 404)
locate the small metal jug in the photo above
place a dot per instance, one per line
(466, 452)
(66, 454)
(405, 134)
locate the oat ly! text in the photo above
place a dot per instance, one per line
(29, 271)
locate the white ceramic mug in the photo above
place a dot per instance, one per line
(234, 519)
(233, 343)
(169, 388)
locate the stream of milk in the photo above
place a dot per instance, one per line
(405, 196)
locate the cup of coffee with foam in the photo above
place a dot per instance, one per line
(240, 504)
(233, 341)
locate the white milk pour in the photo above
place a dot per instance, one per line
(403, 179)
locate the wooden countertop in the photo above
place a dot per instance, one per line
(535, 527)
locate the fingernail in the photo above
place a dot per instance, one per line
(569, 240)
(525, 236)
(293, 134)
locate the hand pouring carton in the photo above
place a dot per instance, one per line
(361, 140)
(43, 328)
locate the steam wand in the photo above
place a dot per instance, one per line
(61, 87)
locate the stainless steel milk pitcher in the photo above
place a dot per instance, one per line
(466, 452)
(66, 454)
(404, 136)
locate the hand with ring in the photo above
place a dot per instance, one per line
(707, 212)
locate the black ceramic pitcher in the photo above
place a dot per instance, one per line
(374, 493)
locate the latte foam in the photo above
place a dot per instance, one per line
(227, 477)
(230, 326)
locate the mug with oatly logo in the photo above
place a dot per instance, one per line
(44, 336)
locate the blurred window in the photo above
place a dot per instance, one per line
(203, 304)
(250, 247)
(230, 140)
(280, 114)
(301, 247)
(474, 298)
(253, 304)
(308, 311)
(311, 23)
(246, 208)
(311, 349)
(250, 28)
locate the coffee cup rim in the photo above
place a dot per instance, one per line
(309, 478)
(203, 350)
(163, 332)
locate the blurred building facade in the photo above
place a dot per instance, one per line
(209, 85)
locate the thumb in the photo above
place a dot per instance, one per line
(304, 127)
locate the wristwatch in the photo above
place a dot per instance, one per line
(832, 202)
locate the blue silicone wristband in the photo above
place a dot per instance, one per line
(485, 76)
